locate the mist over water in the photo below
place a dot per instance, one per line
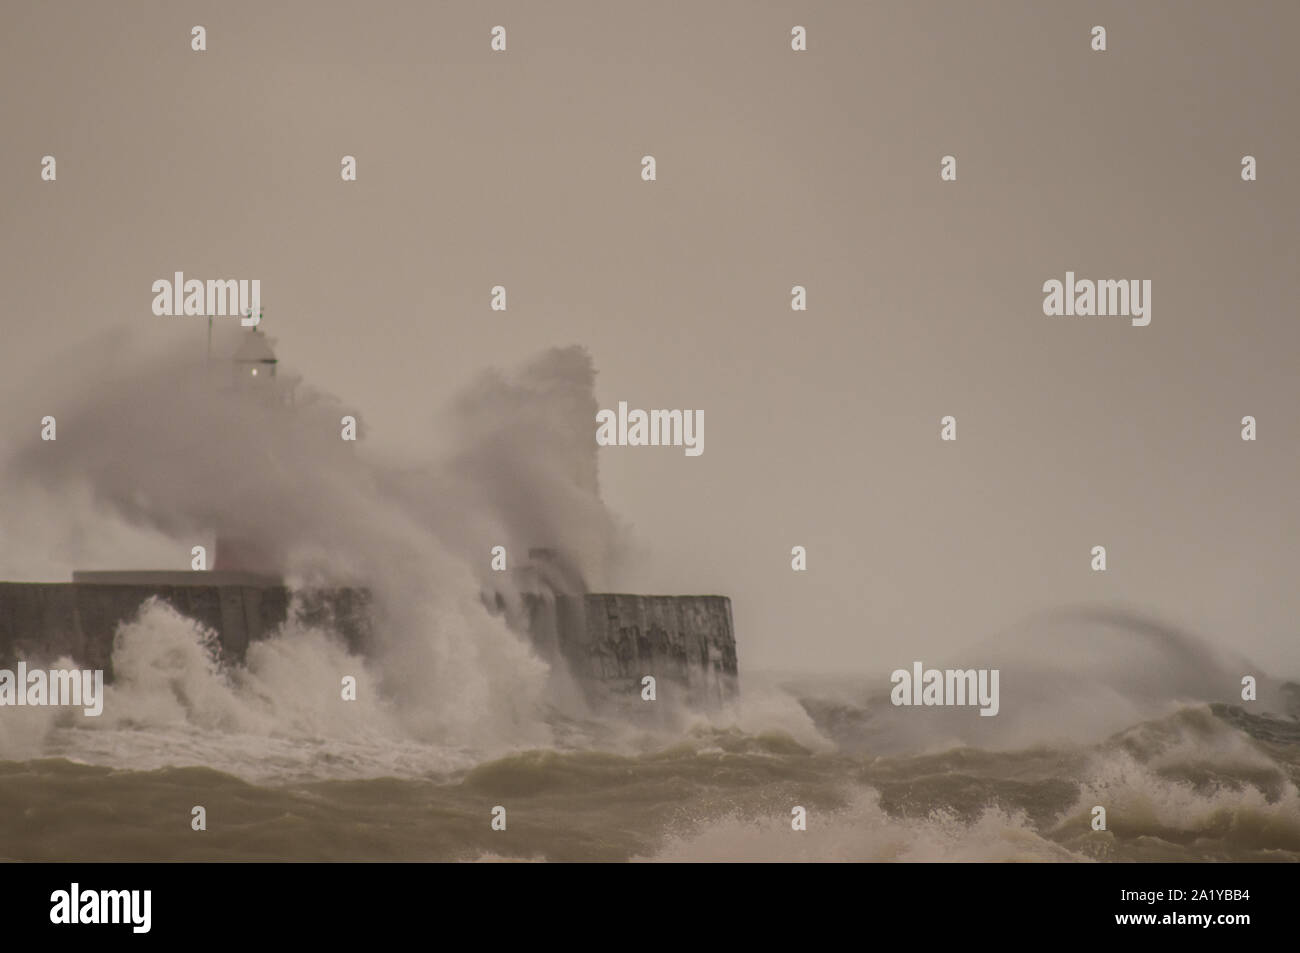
(164, 443)
(456, 713)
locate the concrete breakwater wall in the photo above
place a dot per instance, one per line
(46, 621)
(609, 641)
(614, 640)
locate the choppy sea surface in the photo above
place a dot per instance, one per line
(286, 773)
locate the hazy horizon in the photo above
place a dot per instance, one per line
(774, 169)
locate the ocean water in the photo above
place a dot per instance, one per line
(285, 771)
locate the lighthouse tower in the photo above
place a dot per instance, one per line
(255, 362)
(241, 557)
(255, 369)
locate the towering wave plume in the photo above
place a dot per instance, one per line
(155, 441)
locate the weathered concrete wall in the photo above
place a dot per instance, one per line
(42, 621)
(607, 640)
(686, 642)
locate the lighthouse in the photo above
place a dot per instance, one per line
(255, 361)
(254, 369)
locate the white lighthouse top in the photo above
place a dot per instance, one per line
(255, 349)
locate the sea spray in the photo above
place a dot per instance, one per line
(157, 441)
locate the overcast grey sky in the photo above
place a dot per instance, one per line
(774, 169)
